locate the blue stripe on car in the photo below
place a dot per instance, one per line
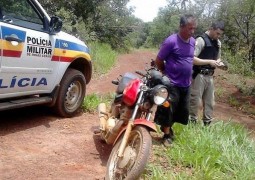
(62, 44)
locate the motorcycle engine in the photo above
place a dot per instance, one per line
(110, 123)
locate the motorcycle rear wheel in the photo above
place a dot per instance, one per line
(135, 156)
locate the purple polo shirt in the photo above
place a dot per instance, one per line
(178, 55)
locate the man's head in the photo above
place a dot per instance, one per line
(188, 24)
(216, 30)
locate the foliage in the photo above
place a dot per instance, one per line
(219, 92)
(246, 89)
(240, 17)
(91, 101)
(215, 152)
(107, 21)
(164, 25)
(80, 8)
(138, 35)
(111, 22)
(103, 57)
(238, 63)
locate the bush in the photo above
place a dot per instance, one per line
(103, 57)
(238, 63)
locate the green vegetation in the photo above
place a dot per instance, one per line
(247, 89)
(219, 93)
(91, 102)
(112, 22)
(105, 21)
(103, 57)
(220, 151)
(238, 63)
(233, 101)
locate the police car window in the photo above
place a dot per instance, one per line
(21, 13)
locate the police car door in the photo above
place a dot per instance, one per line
(26, 66)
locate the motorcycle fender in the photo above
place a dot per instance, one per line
(146, 123)
(143, 122)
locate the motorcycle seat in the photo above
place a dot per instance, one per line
(126, 78)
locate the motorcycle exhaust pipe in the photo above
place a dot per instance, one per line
(103, 116)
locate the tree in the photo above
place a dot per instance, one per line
(112, 22)
(240, 27)
(108, 21)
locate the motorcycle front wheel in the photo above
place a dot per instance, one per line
(135, 156)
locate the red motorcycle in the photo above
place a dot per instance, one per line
(127, 124)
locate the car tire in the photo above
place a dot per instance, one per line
(71, 93)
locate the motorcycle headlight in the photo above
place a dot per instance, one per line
(159, 94)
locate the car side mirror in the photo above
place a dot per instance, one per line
(55, 25)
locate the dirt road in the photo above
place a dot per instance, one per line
(36, 144)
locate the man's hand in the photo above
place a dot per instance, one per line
(214, 63)
(160, 64)
(221, 65)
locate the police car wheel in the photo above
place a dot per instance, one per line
(71, 93)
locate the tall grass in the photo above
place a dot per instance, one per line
(103, 57)
(220, 151)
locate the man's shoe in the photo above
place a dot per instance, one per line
(207, 123)
(167, 140)
(193, 121)
(171, 131)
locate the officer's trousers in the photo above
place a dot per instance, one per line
(202, 93)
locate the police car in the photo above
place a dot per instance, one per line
(39, 63)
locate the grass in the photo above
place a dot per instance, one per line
(219, 93)
(220, 151)
(246, 88)
(103, 57)
(233, 101)
(241, 71)
(243, 105)
(91, 101)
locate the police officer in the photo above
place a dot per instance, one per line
(207, 57)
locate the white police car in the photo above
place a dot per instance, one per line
(39, 63)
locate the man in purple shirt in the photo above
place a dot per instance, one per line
(175, 60)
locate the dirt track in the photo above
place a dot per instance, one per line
(36, 144)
